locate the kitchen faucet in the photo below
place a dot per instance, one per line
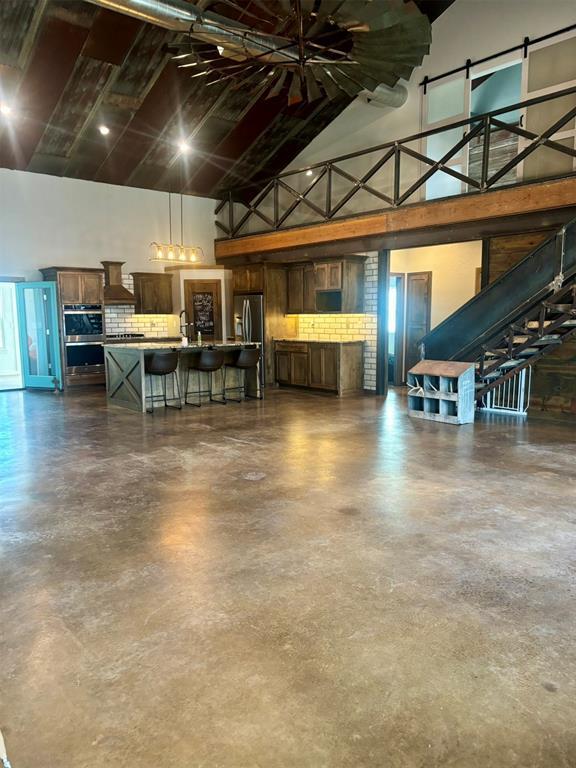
(186, 326)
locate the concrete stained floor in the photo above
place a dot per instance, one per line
(300, 582)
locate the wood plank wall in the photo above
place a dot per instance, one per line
(506, 251)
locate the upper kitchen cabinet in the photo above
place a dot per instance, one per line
(153, 293)
(301, 290)
(248, 279)
(335, 286)
(328, 277)
(77, 286)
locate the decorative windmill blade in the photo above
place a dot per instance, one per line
(317, 47)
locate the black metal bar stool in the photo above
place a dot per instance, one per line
(162, 364)
(208, 361)
(243, 361)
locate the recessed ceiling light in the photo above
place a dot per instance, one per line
(104, 130)
(220, 50)
(309, 173)
(5, 109)
(184, 147)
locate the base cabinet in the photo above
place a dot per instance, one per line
(283, 367)
(324, 366)
(332, 366)
(299, 369)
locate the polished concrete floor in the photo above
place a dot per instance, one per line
(303, 582)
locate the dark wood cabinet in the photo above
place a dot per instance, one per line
(295, 302)
(332, 366)
(299, 369)
(248, 279)
(77, 286)
(283, 367)
(333, 287)
(329, 276)
(153, 293)
(69, 287)
(309, 290)
(324, 366)
(91, 288)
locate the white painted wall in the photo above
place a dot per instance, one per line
(453, 270)
(468, 29)
(48, 221)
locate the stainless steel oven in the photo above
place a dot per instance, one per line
(83, 322)
(84, 357)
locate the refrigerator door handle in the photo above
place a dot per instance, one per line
(249, 321)
(244, 302)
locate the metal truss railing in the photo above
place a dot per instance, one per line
(399, 172)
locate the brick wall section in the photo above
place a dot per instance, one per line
(340, 327)
(121, 319)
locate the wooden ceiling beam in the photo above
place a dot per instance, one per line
(413, 223)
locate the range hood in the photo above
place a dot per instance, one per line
(114, 291)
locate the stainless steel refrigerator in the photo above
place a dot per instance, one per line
(249, 322)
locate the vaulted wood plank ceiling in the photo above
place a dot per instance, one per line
(68, 67)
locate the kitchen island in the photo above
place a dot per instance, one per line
(127, 384)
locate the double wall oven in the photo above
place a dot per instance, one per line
(83, 326)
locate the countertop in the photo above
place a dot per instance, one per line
(322, 341)
(141, 340)
(154, 345)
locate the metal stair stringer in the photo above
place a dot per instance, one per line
(516, 320)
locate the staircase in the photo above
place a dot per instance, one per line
(524, 315)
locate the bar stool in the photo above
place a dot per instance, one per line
(162, 364)
(208, 361)
(243, 361)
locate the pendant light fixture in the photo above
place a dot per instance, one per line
(176, 253)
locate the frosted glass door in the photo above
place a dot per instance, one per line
(39, 343)
(445, 102)
(551, 66)
(10, 368)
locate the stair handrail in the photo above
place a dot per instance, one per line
(560, 245)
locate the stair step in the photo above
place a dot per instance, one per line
(550, 338)
(567, 323)
(511, 363)
(535, 324)
(561, 309)
(529, 351)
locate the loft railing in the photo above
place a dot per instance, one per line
(525, 142)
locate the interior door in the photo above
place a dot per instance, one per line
(203, 302)
(418, 309)
(39, 337)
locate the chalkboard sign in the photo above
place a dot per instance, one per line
(203, 304)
